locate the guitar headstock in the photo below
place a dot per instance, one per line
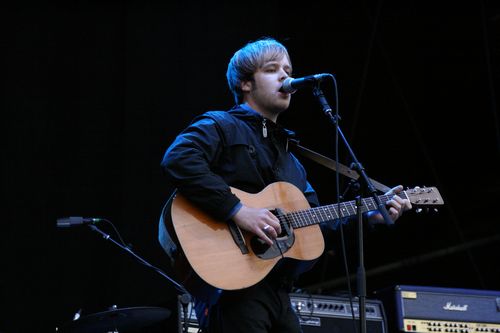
(424, 196)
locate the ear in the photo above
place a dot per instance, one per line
(246, 86)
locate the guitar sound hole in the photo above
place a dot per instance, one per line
(285, 230)
(258, 245)
(283, 233)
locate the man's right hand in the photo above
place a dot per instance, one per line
(259, 221)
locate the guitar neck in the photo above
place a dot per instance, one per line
(304, 218)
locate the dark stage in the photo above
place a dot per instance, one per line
(94, 92)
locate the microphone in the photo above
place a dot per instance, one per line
(66, 222)
(290, 85)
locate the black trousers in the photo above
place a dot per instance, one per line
(262, 308)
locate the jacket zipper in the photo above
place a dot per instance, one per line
(264, 128)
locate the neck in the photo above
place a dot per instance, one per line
(273, 116)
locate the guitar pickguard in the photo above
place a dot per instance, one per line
(280, 245)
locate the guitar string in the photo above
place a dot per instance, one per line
(302, 218)
(324, 212)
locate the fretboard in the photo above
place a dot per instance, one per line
(304, 218)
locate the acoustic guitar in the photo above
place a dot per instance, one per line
(228, 258)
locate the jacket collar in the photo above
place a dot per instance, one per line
(246, 113)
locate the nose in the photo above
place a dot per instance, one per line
(283, 75)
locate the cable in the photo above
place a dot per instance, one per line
(178, 286)
(116, 232)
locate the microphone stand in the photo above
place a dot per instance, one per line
(361, 274)
(364, 181)
(184, 298)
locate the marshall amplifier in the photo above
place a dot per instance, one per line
(328, 314)
(444, 310)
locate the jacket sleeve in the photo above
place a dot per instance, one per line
(187, 164)
(311, 195)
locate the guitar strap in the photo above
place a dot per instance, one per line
(331, 164)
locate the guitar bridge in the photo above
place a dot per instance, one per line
(238, 237)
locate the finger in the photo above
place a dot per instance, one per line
(394, 203)
(276, 226)
(394, 209)
(274, 222)
(262, 235)
(269, 230)
(404, 203)
(397, 189)
(394, 213)
(407, 204)
(398, 199)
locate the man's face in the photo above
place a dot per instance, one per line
(263, 93)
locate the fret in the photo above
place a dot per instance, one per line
(334, 211)
(298, 217)
(303, 217)
(303, 221)
(312, 216)
(353, 207)
(343, 210)
(321, 213)
(293, 218)
(329, 213)
(370, 204)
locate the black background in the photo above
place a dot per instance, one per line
(94, 92)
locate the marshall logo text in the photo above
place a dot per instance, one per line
(452, 307)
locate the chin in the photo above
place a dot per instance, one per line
(285, 106)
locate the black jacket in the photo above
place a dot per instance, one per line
(221, 149)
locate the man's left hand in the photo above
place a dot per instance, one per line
(395, 207)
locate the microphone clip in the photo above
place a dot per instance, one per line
(72, 221)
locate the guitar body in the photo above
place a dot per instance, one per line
(212, 252)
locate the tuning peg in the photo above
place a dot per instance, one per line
(418, 210)
(436, 210)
